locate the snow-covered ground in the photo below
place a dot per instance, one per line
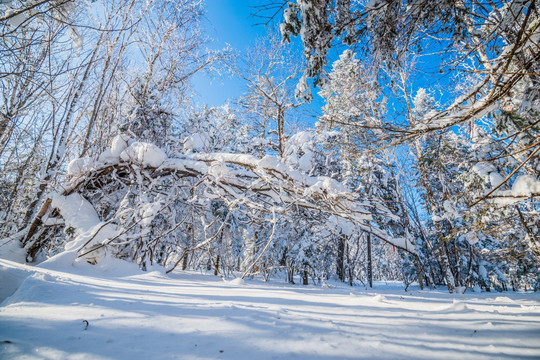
(115, 311)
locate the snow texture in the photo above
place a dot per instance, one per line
(196, 143)
(80, 166)
(77, 212)
(525, 185)
(119, 144)
(144, 154)
(115, 311)
(80, 215)
(488, 173)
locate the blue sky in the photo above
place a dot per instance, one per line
(231, 22)
(228, 22)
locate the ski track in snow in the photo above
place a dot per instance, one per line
(186, 315)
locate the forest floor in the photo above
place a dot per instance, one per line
(61, 310)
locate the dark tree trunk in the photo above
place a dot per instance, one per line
(341, 259)
(369, 264)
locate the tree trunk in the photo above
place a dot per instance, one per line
(305, 278)
(419, 272)
(216, 266)
(341, 258)
(369, 264)
(448, 276)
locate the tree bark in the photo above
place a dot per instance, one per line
(370, 270)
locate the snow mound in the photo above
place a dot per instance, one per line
(80, 166)
(525, 185)
(77, 212)
(503, 299)
(236, 281)
(117, 267)
(12, 278)
(457, 306)
(144, 153)
(32, 288)
(379, 298)
(196, 143)
(63, 260)
(10, 249)
(119, 143)
(107, 157)
(90, 232)
(107, 266)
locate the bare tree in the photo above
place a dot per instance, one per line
(272, 71)
(66, 72)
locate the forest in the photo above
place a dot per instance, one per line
(375, 140)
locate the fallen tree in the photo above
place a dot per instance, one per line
(134, 200)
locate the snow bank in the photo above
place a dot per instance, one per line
(10, 248)
(28, 289)
(11, 279)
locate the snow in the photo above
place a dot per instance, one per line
(80, 166)
(145, 154)
(326, 185)
(196, 143)
(119, 143)
(525, 185)
(305, 163)
(270, 162)
(472, 238)
(488, 173)
(115, 311)
(107, 157)
(299, 151)
(10, 248)
(77, 212)
(14, 21)
(343, 226)
(90, 231)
